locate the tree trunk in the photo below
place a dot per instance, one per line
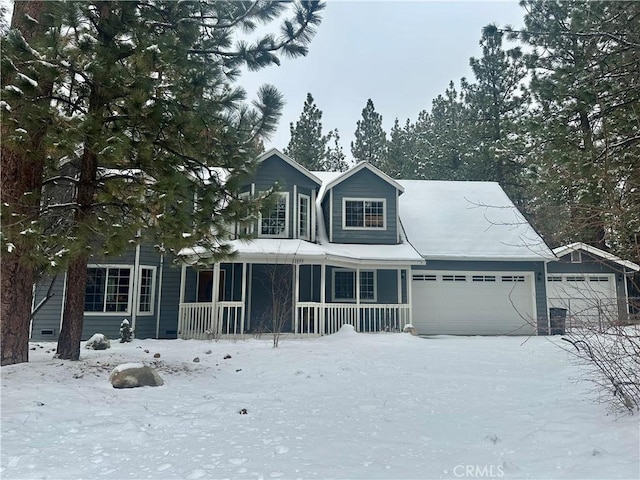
(72, 320)
(22, 170)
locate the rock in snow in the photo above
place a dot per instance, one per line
(98, 342)
(131, 375)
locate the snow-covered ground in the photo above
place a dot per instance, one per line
(349, 405)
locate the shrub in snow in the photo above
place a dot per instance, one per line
(131, 375)
(346, 329)
(98, 342)
(126, 333)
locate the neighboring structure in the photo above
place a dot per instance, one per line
(590, 286)
(355, 247)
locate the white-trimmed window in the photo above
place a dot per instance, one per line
(304, 216)
(274, 222)
(108, 289)
(146, 290)
(576, 256)
(344, 285)
(364, 213)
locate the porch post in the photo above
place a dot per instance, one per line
(183, 281)
(323, 294)
(357, 317)
(215, 326)
(296, 296)
(408, 282)
(399, 310)
(243, 296)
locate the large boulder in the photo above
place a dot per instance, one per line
(98, 342)
(131, 375)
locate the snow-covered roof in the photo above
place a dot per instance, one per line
(467, 220)
(273, 250)
(330, 181)
(572, 247)
(290, 161)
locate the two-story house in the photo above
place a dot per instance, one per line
(335, 248)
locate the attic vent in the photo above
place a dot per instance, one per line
(484, 278)
(576, 256)
(424, 278)
(48, 332)
(513, 278)
(454, 278)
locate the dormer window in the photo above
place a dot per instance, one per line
(364, 214)
(576, 256)
(274, 222)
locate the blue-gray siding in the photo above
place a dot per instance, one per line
(363, 184)
(274, 170)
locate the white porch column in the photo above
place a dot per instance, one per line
(357, 320)
(215, 288)
(296, 296)
(323, 294)
(183, 278)
(183, 281)
(409, 285)
(243, 297)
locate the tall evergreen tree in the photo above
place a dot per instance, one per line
(497, 102)
(402, 153)
(147, 96)
(443, 137)
(371, 140)
(335, 160)
(585, 81)
(27, 82)
(308, 145)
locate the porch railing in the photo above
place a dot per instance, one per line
(328, 318)
(204, 321)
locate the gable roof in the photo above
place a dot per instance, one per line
(572, 247)
(467, 220)
(290, 161)
(339, 177)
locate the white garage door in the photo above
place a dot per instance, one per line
(473, 303)
(588, 299)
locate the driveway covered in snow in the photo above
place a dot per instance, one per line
(387, 406)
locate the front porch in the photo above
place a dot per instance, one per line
(239, 298)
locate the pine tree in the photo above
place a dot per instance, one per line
(497, 102)
(145, 108)
(27, 82)
(585, 83)
(371, 140)
(308, 145)
(335, 160)
(402, 153)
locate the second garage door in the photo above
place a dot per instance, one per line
(473, 303)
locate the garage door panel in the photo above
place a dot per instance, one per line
(485, 303)
(588, 299)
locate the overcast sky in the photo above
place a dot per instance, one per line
(400, 54)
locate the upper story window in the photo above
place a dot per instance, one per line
(364, 213)
(274, 222)
(576, 256)
(304, 216)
